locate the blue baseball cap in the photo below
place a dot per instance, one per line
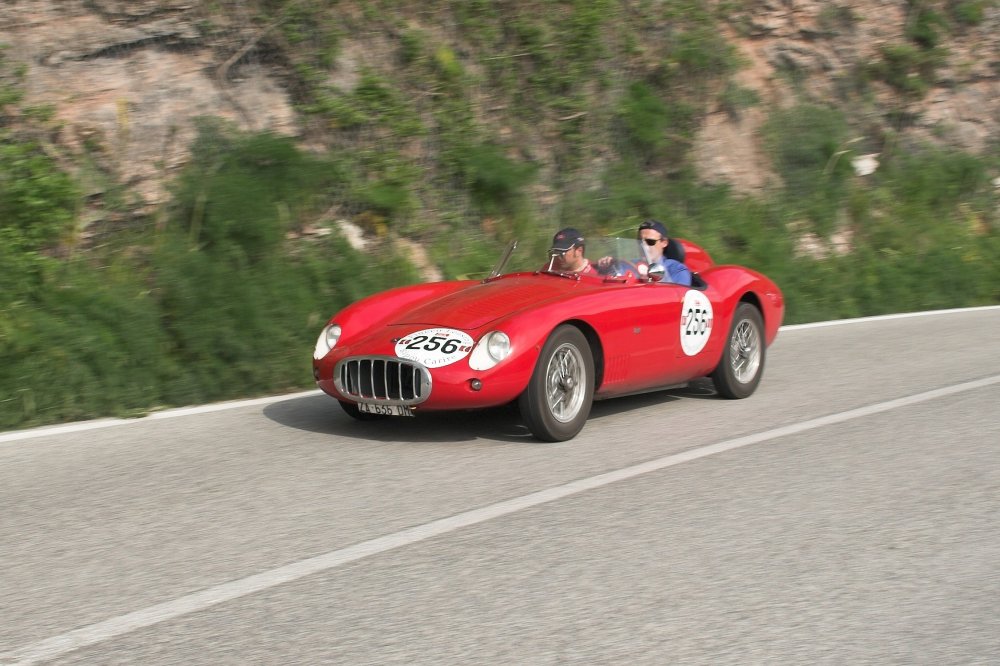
(656, 226)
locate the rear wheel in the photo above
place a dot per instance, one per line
(742, 364)
(355, 413)
(557, 401)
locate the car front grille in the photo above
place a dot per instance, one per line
(382, 379)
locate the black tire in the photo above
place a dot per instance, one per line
(355, 413)
(556, 404)
(742, 364)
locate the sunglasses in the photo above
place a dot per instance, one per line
(651, 241)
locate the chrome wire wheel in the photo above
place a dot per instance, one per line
(556, 403)
(565, 387)
(744, 352)
(742, 364)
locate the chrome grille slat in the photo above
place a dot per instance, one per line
(383, 379)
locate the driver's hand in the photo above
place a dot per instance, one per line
(604, 262)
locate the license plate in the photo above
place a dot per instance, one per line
(385, 410)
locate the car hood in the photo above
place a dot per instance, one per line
(478, 305)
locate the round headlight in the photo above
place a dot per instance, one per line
(498, 345)
(332, 335)
(490, 350)
(327, 340)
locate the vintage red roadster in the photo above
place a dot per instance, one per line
(552, 340)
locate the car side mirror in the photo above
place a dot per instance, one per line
(655, 273)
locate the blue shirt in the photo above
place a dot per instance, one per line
(675, 271)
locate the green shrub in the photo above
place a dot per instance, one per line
(645, 117)
(11, 82)
(969, 12)
(387, 197)
(654, 130)
(923, 25)
(908, 69)
(38, 200)
(932, 180)
(921, 242)
(230, 324)
(246, 189)
(805, 138)
(411, 46)
(78, 342)
(494, 180)
(583, 28)
(372, 103)
(699, 55)
(314, 38)
(447, 64)
(170, 322)
(478, 19)
(810, 148)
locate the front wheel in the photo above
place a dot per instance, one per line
(557, 401)
(742, 364)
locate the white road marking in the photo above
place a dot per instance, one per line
(898, 315)
(83, 426)
(192, 603)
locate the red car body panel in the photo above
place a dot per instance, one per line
(635, 328)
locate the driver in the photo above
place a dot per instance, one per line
(567, 253)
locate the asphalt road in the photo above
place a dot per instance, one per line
(847, 513)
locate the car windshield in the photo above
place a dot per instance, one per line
(626, 254)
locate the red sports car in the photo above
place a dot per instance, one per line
(554, 341)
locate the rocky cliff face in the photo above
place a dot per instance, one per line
(828, 52)
(126, 79)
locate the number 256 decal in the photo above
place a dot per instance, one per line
(696, 322)
(435, 347)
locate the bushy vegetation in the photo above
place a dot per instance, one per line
(922, 232)
(220, 303)
(525, 117)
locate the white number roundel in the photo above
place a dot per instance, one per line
(696, 322)
(435, 347)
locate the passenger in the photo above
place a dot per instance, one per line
(567, 253)
(653, 241)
